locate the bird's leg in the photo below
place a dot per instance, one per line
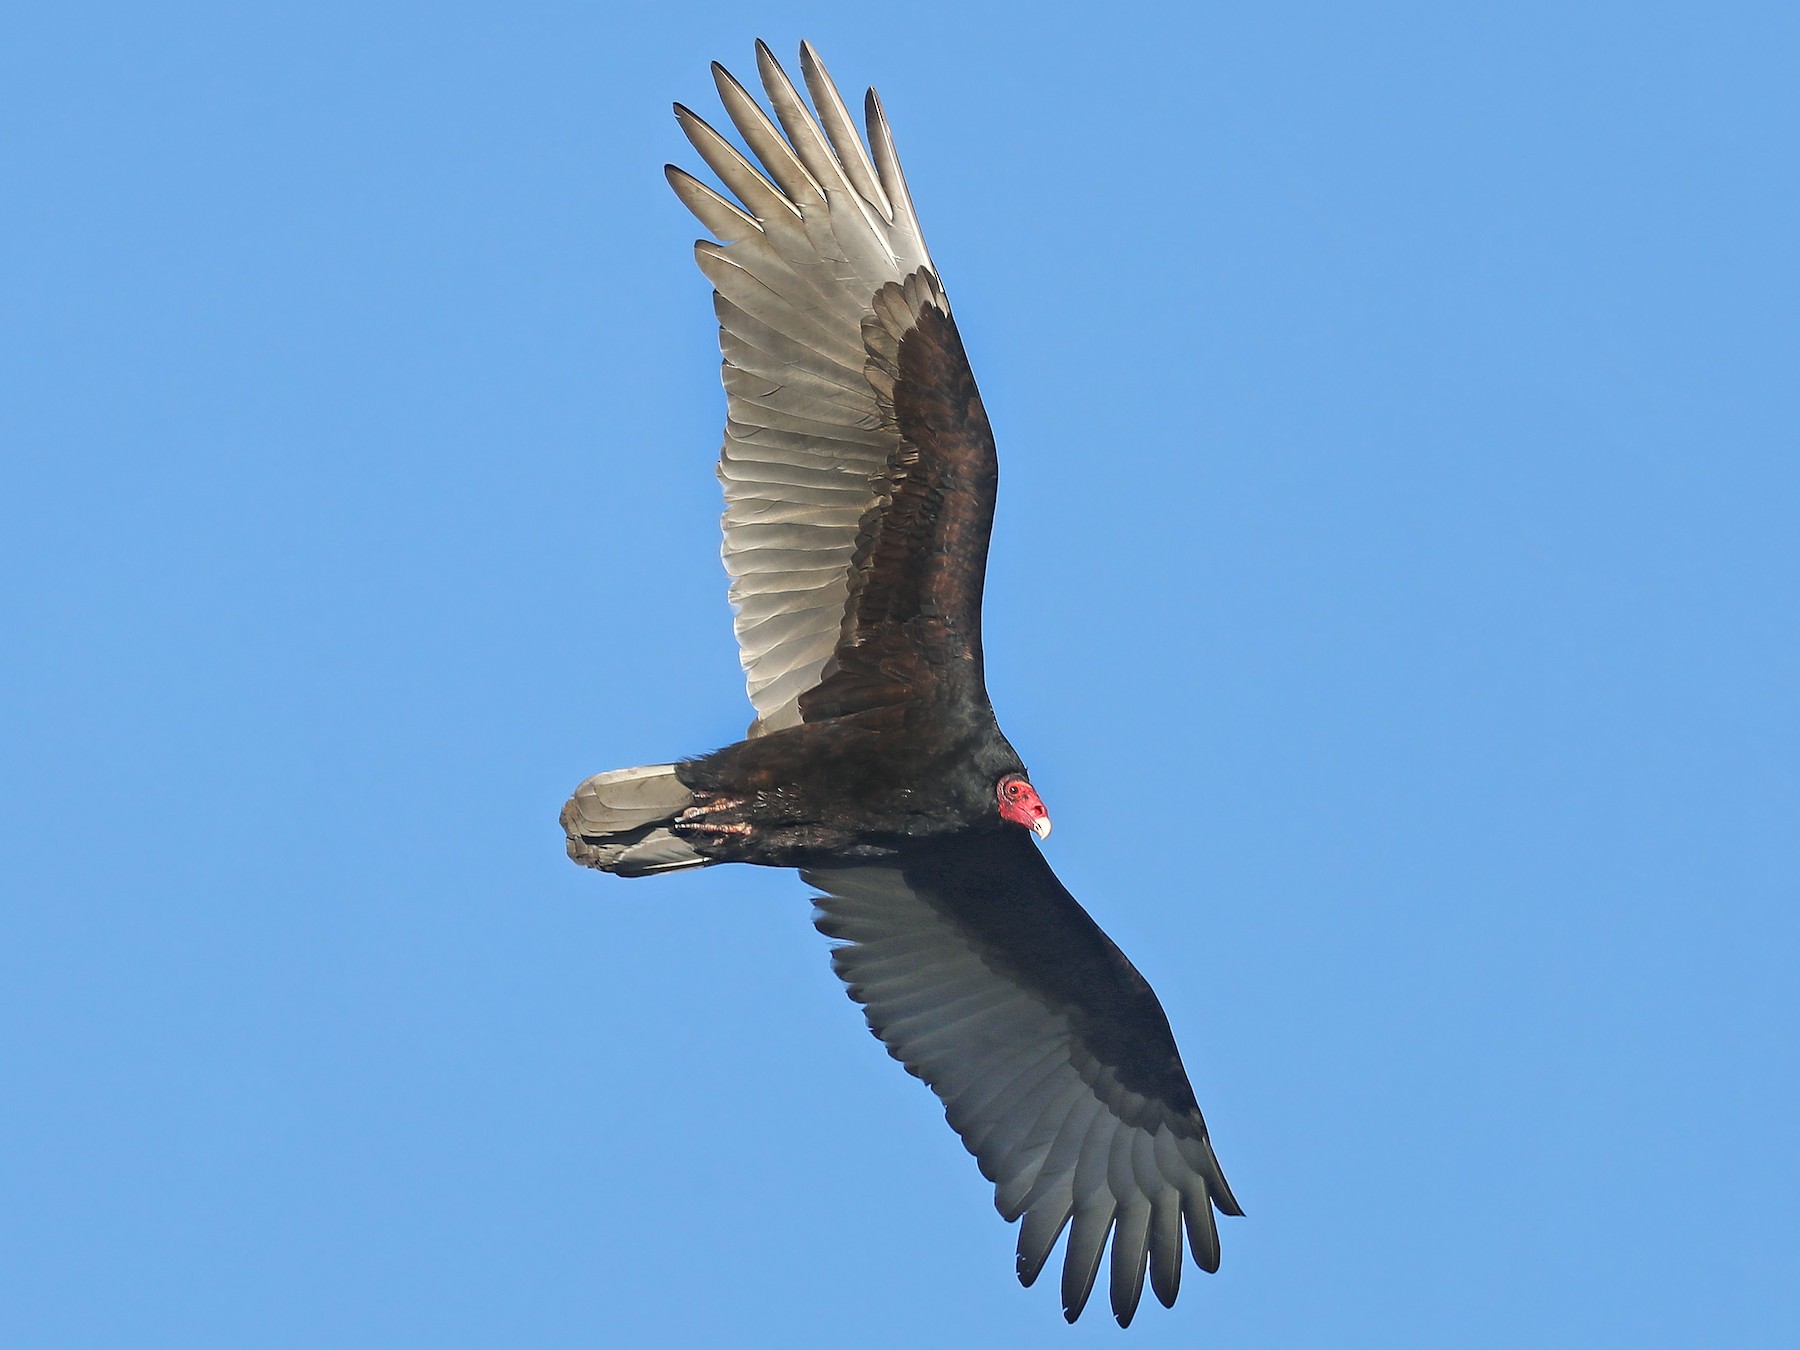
(715, 816)
(753, 824)
(722, 829)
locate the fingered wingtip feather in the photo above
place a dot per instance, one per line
(834, 119)
(1165, 1291)
(1225, 1200)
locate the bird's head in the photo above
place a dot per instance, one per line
(1020, 804)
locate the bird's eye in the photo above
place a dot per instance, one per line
(1012, 788)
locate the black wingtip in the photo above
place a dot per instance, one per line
(1027, 1271)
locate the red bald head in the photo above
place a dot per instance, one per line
(1020, 804)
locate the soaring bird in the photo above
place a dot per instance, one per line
(859, 473)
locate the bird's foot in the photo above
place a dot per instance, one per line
(712, 819)
(718, 829)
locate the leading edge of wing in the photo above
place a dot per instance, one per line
(1053, 1059)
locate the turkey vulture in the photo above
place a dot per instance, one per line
(859, 475)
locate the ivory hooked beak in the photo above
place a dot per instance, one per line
(1041, 827)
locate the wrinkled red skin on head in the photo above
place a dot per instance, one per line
(1019, 801)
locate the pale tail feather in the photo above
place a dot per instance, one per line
(616, 821)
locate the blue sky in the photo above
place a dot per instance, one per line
(1393, 594)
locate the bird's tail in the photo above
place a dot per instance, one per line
(618, 822)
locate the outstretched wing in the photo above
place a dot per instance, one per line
(1054, 1061)
(858, 465)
